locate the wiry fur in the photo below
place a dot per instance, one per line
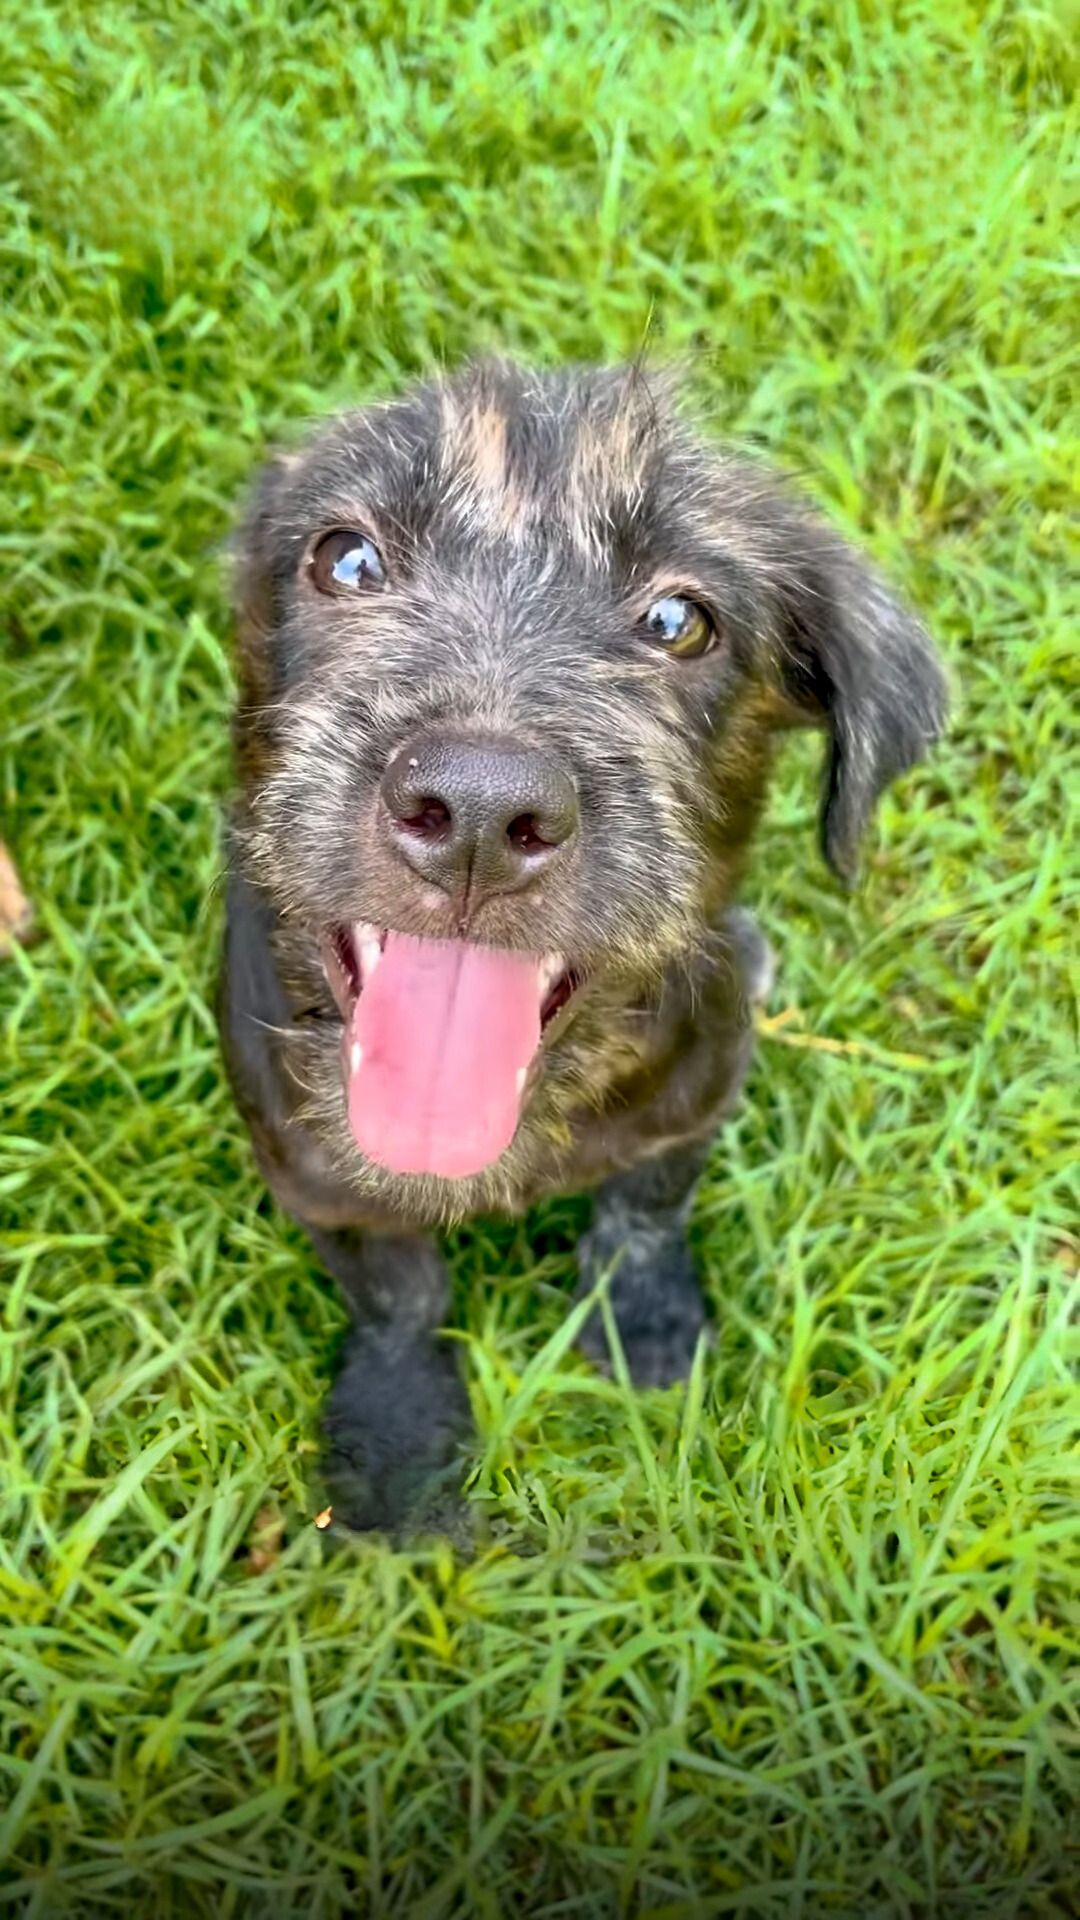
(527, 521)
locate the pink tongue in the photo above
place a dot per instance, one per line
(445, 1032)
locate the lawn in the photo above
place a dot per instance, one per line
(801, 1639)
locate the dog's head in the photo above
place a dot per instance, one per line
(513, 651)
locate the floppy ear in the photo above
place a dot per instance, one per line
(253, 553)
(856, 661)
(256, 596)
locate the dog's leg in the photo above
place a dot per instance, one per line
(398, 1408)
(638, 1232)
(639, 1223)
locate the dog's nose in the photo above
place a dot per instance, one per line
(484, 813)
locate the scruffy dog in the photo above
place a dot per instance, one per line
(514, 651)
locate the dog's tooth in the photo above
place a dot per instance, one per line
(552, 968)
(523, 1074)
(369, 949)
(356, 1056)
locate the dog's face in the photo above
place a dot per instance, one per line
(513, 651)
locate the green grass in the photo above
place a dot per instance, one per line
(800, 1640)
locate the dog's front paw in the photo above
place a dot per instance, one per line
(655, 1297)
(397, 1415)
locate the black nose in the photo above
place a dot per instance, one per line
(480, 813)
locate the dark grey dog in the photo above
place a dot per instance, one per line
(514, 651)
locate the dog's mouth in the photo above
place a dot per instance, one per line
(440, 1040)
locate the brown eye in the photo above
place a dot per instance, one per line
(347, 561)
(680, 626)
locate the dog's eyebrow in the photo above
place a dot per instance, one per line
(660, 581)
(612, 456)
(473, 449)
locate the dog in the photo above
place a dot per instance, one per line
(514, 652)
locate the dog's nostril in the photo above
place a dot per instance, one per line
(524, 834)
(432, 820)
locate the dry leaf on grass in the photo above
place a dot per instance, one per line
(16, 912)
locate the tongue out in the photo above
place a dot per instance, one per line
(446, 1032)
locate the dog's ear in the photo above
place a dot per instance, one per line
(255, 554)
(256, 561)
(856, 661)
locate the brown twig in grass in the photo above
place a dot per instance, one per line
(773, 1027)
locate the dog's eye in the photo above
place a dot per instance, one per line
(680, 626)
(347, 561)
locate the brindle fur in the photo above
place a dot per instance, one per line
(527, 521)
